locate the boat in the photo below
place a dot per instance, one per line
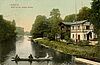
(30, 58)
(34, 59)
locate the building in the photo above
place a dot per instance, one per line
(80, 30)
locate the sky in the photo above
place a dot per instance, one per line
(24, 12)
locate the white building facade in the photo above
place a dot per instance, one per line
(81, 30)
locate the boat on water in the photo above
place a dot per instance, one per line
(31, 58)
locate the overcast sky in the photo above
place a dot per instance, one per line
(25, 17)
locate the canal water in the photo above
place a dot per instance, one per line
(23, 47)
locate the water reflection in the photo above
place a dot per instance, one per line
(58, 58)
(6, 48)
(40, 51)
(20, 39)
(23, 47)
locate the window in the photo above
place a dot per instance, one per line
(84, 36)
(87, 27)
(78, 27)
(73, 35)
(79, 37)
(73, 27)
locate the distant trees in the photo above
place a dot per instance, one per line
(27, 33)
(7, 29)
(69, 18)
(19, 31)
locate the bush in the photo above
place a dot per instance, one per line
(69, 41)
(51, 36)
(84, 42)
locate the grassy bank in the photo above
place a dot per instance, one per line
(80, 51)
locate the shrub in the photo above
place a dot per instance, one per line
(84, 42)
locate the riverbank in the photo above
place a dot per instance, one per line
(87, 52)
(86, 61)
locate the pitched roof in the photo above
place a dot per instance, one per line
(74, 23)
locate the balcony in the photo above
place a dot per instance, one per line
(80, 30)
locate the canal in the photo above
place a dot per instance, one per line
(23, 47)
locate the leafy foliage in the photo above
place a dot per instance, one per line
(95, 20)
(44, 27)
(54, 20)
(69, 18)
(40, 27)
(55, 13)
(84, 14)
(7, 29)
(95, 16)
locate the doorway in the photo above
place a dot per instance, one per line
(78, 37)
(89, 35)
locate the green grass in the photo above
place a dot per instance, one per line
(86, 51)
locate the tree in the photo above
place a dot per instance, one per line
(69, 18)
(55, 13)
(7, 30)
(95, 17)
(54, 20)
(84, 14)
(95, 20)
(40, 27)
